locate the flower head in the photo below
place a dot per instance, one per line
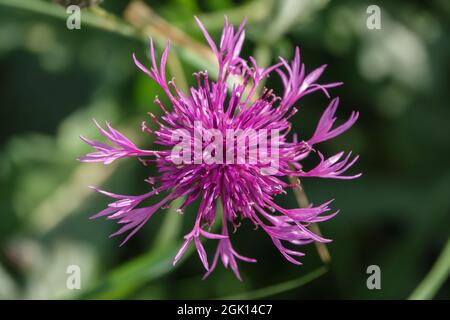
(195, 132)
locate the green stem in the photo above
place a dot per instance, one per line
(95, 17)
(303, 202)
(435, 278)
(279, 287)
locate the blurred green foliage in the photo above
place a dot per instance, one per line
(53, 81)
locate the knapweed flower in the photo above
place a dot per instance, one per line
(198, 129)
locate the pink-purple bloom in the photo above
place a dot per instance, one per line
(243, 191)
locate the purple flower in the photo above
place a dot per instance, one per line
(246, 189)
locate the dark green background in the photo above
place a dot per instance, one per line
(53, 81)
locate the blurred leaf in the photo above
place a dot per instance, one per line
(8, 288)
(140, 15)
(279, 287)
(73, 189)
(68, 196)
(131, 275)
(94, 17)
(157, 262)
(171, 226)
(438, 274)
(255, 11)
(386, 53)
(290, 12)
(152, 265)
(48, 272)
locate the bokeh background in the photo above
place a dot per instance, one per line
(53, 81)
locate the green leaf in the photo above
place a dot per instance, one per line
(128, 277)
(8, 287)
(158, 261)
(95, 17)
(255, 11)
(435, 278)
(131, 275)
(289, 13)
(98, 18)
(279, 287)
